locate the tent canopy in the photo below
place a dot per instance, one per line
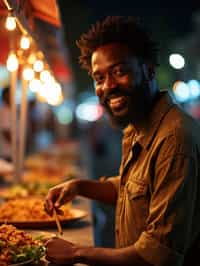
(39, 20)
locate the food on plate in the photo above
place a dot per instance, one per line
(41, 175)
(29, 209)
(18, 246)
(13, 192)
(52, 166)
(25, 190)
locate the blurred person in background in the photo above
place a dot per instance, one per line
(33, 120)
(5, 126)
(157, 190)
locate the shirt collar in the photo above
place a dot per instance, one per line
(146, 133)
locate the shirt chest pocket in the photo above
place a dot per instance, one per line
(136, 189)
(137, 203)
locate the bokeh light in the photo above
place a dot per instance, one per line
(194, 87)
(28, 73)
(25, 42)
(10, 23)
(89, 111)
(12, 62)
(35, 85)
(177, 61)
(64, 115)
(181, 91)
(38, 65)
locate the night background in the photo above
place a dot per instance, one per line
(77, 117)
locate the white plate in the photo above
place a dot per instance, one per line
(38, 224)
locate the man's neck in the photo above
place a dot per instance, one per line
(142, 120)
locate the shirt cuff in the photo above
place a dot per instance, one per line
(155, 253)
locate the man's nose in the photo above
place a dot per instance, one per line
(110, 83)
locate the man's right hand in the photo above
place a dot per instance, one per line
(59, 195)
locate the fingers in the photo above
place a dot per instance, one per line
(48, 205)
(56, 197)
(52, 196)
(48, 241)
(60, 200)
(59, 211)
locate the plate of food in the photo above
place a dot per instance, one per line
(19, 247)
(29, 213)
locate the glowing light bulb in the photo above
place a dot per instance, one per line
(10, 23)
(25, 42)
(51, 93)
(12, 62)
(28, 73)
(45, 76)
(38, 66)
(31, 59)
(35, 85)
(41, 93)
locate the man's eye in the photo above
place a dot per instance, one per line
(120, 71)
(99, 79)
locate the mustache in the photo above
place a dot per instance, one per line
(117, 92)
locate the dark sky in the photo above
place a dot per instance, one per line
(166, 23)
(179, 18)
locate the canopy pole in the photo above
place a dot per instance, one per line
(22, 125)
(13, 84)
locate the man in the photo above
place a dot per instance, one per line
(157, 192)
(5, 126)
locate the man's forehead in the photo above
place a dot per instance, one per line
(111, 54)
(112, 49)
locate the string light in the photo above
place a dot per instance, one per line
(35, 85)
(35, 59)
(25, 42)
(28, 73)
(45, 76)
(38, 66)
(31, 58)
(10, 23)
(12, 62)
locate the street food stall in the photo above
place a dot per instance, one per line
(22, 204)
(35, 59)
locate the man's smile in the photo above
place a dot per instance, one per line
(118, 104)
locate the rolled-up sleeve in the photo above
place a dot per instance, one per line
(115, 180)
(152, 251)
(169, 231)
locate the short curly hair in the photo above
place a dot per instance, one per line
(120, 29)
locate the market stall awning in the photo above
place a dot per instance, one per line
(50, 14)
(40, 17)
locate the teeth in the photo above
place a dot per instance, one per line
(116, 100)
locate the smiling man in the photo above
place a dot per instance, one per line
(157, 191)
(120, 81)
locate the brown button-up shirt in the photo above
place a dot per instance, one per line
(158, 206)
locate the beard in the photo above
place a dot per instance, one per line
(138, 101)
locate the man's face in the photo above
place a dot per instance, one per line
(119, 83)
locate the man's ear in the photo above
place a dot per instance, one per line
(149, 71)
